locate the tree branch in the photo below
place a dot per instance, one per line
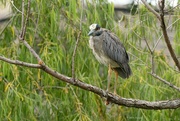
(21, 63)
(24, 23)
(128, 102)
(165, 82)
(77, 41)
(166, 37)
(74, 54)
(33, 52)
(23, 32)
(163, 26)
(151, 9)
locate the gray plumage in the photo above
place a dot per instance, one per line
(108, 50)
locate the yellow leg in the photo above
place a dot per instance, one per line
(109, 78)
(115, 82)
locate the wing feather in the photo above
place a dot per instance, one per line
(114, 48)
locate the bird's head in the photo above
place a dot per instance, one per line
(94, 30)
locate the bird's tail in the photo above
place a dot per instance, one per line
(124, 71)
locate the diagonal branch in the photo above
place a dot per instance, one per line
(23, 32)
(113, 98)
(164, 29)
(33, 52)
(166, 37)
(165, 82)
(151, 9)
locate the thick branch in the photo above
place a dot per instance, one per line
(166, 37)
(157, 105)
(163, 26)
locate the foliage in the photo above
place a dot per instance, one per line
(53, 27)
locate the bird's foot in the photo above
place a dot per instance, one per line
(106, 101)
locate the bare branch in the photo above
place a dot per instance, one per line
(24, 23)
(74, 53)
(164, 29)
(22, 19)
(165, 82)
(23, 32)
(157, 43)
(162, 34)
(166, 37)
(21, 63)
(151, 9)
(113, 98)
(33, 52)
(77, 41)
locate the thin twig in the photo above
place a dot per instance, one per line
(157, 42)
(149, 48)
(172, 8)
(77, 41)
(21, 63)
(151, 9)
(23, 32)
(152, 55)
(162, 34)
(24, 23)
(33, 52)
(165, 82)
(22, 19)
(12, 3)
(74, 54)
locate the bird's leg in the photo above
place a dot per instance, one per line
(109, 77)
(115, 82)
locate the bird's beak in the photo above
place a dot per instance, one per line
(91, 32)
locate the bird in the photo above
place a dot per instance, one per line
(109, 50)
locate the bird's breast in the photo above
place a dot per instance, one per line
(96, 45)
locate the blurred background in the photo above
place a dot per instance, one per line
(52, 30)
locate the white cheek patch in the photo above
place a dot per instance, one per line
(92, 27)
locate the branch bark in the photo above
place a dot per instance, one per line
(163, 26)
(20, 63)
(128, 102)
(166, 37)
(151, 9)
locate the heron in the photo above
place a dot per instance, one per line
(109, 51)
